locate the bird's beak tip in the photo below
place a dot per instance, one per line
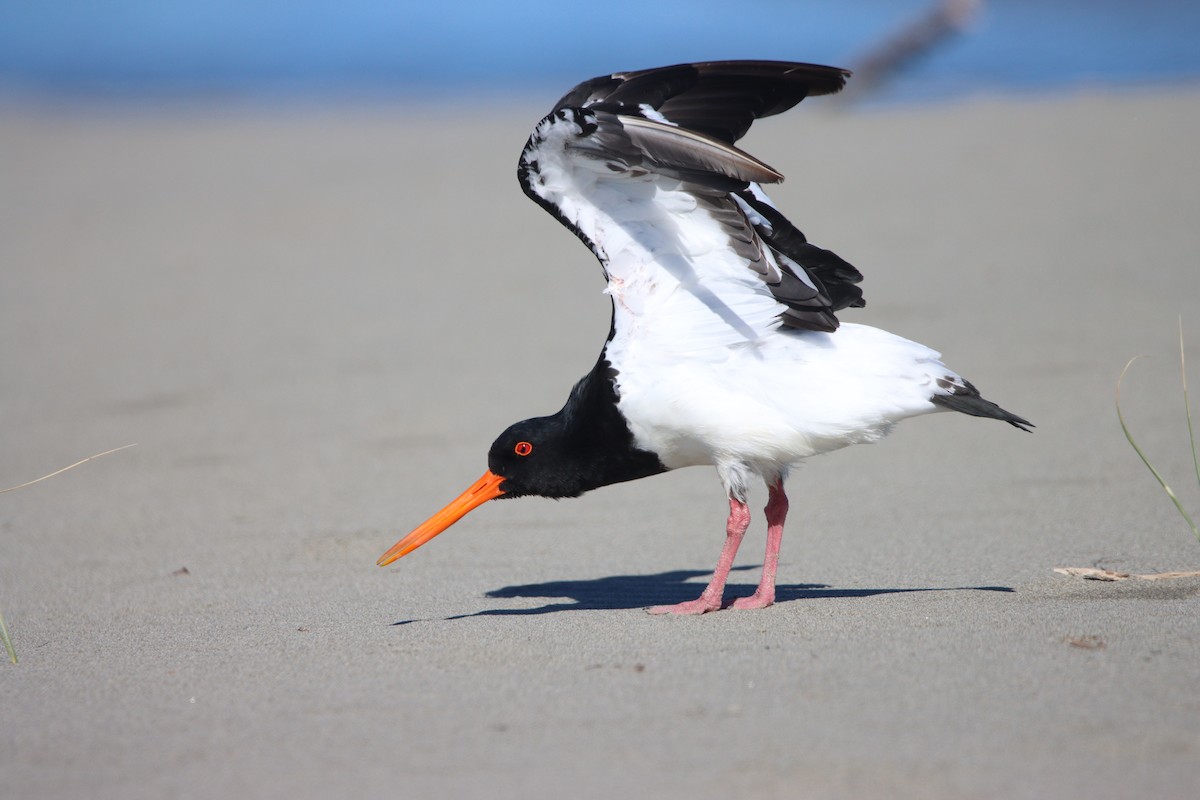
(484, 489)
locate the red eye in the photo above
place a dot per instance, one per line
(523, 448)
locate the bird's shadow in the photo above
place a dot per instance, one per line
(617, 592)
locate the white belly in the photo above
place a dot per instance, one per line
(771, 404)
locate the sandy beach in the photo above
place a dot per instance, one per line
(313, 322)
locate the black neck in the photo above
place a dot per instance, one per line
(592, 423)
(586, 445)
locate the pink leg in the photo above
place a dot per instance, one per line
(710, 599)
(777, 508)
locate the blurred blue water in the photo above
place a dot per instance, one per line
(313, 48)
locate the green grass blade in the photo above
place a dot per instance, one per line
(1146, 461)
(1187, 405)
(8, 645)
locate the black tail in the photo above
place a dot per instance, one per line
(969, 401)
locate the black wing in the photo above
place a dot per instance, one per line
(717, 98)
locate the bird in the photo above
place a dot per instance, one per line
(725, 347)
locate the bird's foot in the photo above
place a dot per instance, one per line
(756, 600)
(701, 605)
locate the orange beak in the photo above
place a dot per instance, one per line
(484, 489)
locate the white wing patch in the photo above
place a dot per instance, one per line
(678, 283)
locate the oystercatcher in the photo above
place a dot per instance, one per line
(724, 346)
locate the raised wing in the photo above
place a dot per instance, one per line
(717, 98)
(641, 166)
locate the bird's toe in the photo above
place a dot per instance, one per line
(701, 605)
(755, 600)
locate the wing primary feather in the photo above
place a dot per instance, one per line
(836, 276)
(674, 147)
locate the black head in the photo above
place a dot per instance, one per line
(565, 455)
(535, 458)
(584, 446)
